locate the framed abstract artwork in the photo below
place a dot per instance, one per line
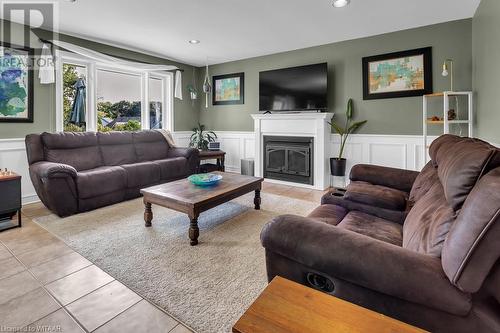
(399, 74)
(16, 83)
(228, 89)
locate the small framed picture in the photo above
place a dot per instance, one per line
(228, 89)
(398, 74)
(16, 84)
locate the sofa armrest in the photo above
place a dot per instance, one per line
(331, 198)
(55, 185)
(364, 261)
(400, 179)
(53, 170)
(183, 152)
(191, 154)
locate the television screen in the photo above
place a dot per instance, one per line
(294, 89)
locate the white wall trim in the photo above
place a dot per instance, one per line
(400, 151)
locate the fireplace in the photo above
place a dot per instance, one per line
(289, 158)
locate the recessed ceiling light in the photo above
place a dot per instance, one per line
(340, 3)
(194, 41)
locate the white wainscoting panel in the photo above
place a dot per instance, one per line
(237, 145)
(13, 157)
(398, 151)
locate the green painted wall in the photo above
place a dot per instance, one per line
(486, 55)
(388, 116)
(185, 112)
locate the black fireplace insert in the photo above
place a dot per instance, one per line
(289, 159)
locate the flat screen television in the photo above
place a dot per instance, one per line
(302, 88)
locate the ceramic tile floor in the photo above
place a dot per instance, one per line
(46, 286)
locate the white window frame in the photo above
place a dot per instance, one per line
(63, 57)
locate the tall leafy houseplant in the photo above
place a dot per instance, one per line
(337, 164)
(200, 138)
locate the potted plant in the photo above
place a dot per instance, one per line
(337, 164)
(200, 138)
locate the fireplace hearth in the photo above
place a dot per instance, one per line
(289, 159)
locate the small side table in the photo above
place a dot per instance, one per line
(10, 187)
(286, 306)
(218, 155)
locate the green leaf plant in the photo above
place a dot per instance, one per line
(200, 138)
(348, 128)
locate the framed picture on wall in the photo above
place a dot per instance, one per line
(228, 89)
(398, 74)
(16, 83)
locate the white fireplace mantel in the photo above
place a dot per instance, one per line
(296, 124)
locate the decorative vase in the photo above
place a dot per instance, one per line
(337, 166)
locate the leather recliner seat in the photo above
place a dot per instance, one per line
(423, 247)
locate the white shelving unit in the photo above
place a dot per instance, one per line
(446, 107)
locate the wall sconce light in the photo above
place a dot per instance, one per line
(447, 72)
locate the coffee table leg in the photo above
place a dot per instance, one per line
(194, 231)
(257, 200)
(148, 214)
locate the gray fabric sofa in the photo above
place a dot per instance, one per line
(77, 172)
(420, 247)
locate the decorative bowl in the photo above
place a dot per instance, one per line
(205, 179)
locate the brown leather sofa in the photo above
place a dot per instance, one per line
(420, 247)
(77, 172)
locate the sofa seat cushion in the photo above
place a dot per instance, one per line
(142, 174)
(373, 227)
(171, 168)
(330, 214)
(99, 181)
(376, 195)
(428, 223)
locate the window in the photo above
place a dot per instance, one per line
(156, 97)
(116, 99)
(71, 74)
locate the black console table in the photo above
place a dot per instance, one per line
(10, 202)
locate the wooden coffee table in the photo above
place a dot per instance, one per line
(184, 197)
(286, 306)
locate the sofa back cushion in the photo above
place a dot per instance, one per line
(423, 183)
(473, 244)
(34, 148)
(80, 150)
(444, 141)
(150, 145)
(461, 162)
(117, 148)
(428, 222)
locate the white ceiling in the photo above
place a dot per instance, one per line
(236, 29)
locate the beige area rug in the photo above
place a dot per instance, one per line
(209, 286)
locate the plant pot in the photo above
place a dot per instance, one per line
(337, 166)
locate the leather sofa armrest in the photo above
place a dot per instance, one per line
(364, 261)
(55, 185)
(183, 152)
(53, 170)
(191, 154)
(400, 179)
(330, 198)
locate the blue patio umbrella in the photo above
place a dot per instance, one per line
(77, 115)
